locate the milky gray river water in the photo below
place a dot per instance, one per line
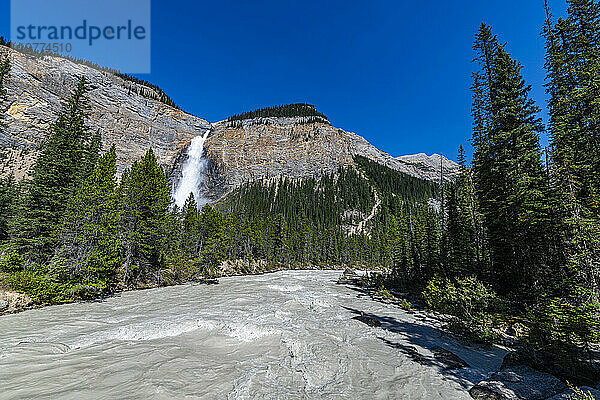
(288, 335)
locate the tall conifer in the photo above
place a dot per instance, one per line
(509, 175)
(145, 200)
(573, 68)
(89, 247)
(57, 173)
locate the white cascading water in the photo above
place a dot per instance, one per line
(192, 173)
(288, 335)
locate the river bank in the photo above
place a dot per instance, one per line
(12, 302)
(525, 373)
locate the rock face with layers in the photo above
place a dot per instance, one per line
(133, 123)
(252, 149)
(263, 148)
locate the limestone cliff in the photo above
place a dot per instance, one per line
(131, 122)
(432, 167)
(246, 150)
(262, 148)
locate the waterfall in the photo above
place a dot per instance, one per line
(193, 173)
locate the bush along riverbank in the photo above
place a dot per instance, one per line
(22, 289)
(553, 346)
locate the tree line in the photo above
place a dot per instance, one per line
(286, 110)
(73, 230)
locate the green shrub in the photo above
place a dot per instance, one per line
(385, 293)
(10, 260)
(405, 305)
(466, 299)
(469, 300)
(572, 321)
(40, 286)
(579, 394)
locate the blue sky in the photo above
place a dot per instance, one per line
(396, 72)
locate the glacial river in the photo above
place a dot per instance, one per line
(288, 335)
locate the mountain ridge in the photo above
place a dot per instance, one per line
(238, 150)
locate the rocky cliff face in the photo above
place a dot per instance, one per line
(248, 150)
(129, 121)
(262, 148)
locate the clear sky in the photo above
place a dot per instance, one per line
(396, 72)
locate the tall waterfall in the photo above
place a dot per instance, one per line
(193, 173)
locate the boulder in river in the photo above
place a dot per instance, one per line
(518, 383)
(349, 277)
(448, 359)
(365, 319)
(206, 281)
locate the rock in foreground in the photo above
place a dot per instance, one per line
(349, 277)
(518, 383)
(365, 319)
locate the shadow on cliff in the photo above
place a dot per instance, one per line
(463, 362)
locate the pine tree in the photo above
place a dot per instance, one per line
(473, 243)
(573, 63)
(190, 220)
(486, 47)
(512, 191)
(8, 187)
(456, 237)
(57, 173)
(212, 227)
(573, 67)
(145, 200)
(8, 190)
(8, 201)
(89, 246)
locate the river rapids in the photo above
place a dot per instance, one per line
(287, 335)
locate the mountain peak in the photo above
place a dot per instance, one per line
(432, 164)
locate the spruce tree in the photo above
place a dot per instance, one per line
(57, 173)
(514, 199)
(190, 232)
(458, 257)
(145, 200)
(8, 200)
(507, 171)
(474, 242)
(573, 67)
(212, 227)
(89, 250)
(486, 47)
(573, 63)
(8, 187)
